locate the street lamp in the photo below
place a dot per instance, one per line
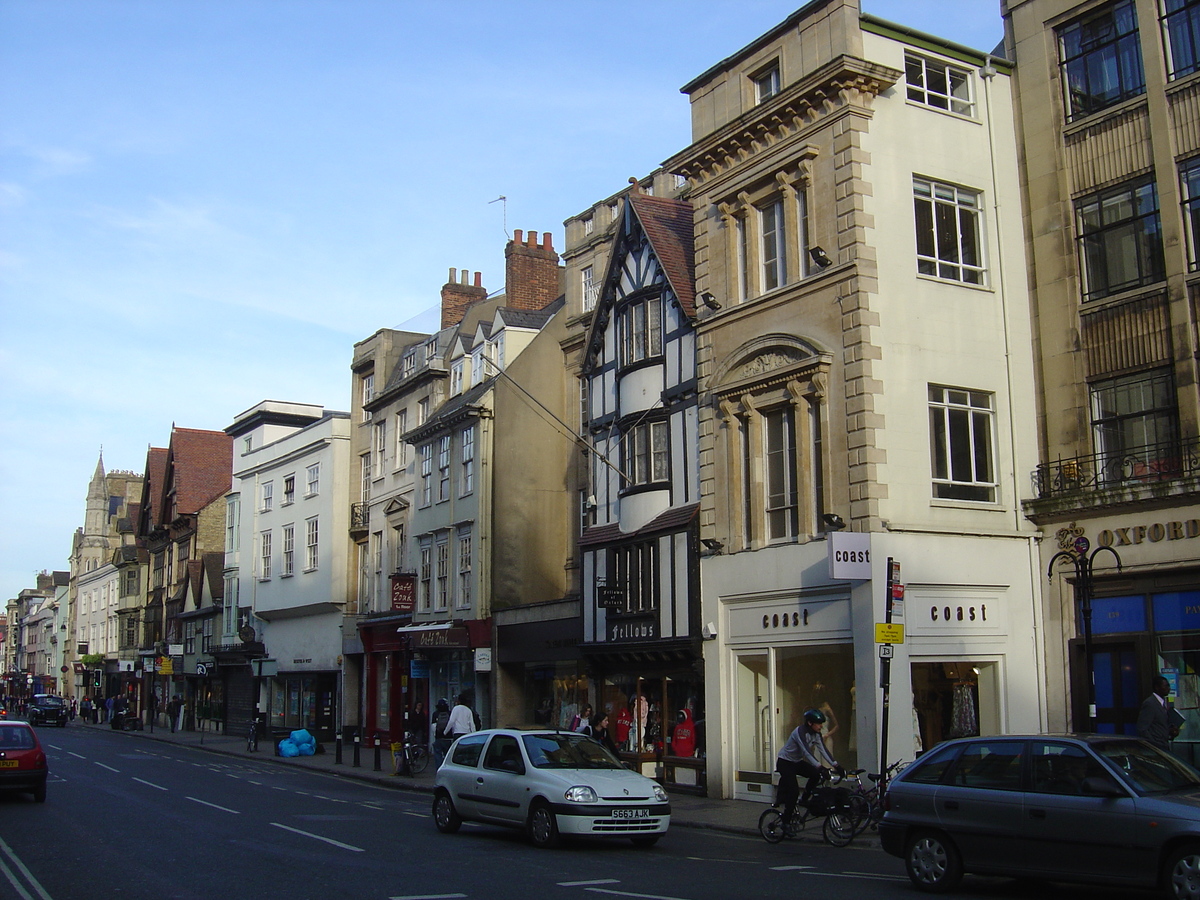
(1083, 561)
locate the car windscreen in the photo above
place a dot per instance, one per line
(1147, 769)
(48, 701)
(14, 737)
(567, 751)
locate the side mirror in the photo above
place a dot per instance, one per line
(1102, 787)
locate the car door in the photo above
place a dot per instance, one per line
(460, 771)
(981, 804)
(1079, 819)
(501, 783)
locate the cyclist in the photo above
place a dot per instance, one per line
(803, 754)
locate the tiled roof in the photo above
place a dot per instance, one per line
(674, 519)
(529, 318)
(152, 487)
(668, 224)
(203, 467)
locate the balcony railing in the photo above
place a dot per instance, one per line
(1103, 471)
(360, 516)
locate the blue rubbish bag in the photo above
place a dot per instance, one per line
(288, 748)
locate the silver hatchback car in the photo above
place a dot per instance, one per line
(1086, 808)
(548, 783)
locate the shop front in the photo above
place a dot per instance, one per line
(1145, 620)
(540, 677)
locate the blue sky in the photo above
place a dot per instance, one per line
(205, 204)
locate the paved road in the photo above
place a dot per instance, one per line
(139, 819)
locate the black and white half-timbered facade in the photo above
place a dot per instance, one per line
(639, 545)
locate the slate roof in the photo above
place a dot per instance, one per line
(203, 467)
(152, 487)
(668, 225)
(530, 318)
(677, 518)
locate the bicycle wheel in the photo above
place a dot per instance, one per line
(860, 812)
(838, 829)
(770, 825)
(418, 759)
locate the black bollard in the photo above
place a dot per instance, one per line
(357, 743)
(337, 750)
(378, 759)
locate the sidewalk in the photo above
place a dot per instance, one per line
(733, 816)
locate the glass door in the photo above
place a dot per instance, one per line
(754, 755)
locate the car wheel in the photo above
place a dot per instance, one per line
(1183, 873)
(39, 793)
(770, 825)
(543, 826)
(445, 816)
(644, 841)
(933, 862)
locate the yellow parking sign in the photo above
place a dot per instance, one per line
(886, 633)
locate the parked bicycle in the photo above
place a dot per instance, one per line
(252, 736)
(828, 801)
(866, 802)
(416, 755)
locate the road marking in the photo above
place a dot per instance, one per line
(77, 755)
(869, 875)
(628, 894)
(585, 883)
(110, 768)
(259, 783)
(790, 868)
(34, 883)
(150, 784)
(214, 806)
(331, 841)
(405, 812)
(428, 897)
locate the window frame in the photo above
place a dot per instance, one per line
(467, 458)
(312, 476)
(426, 457)
(948, 405)
(925, 93)
(312, 543)
(767, 82)
(464, 552)
(264, 555)
(1187, 13)
(941, 255)
(772, 237)
(1083, 53)
(641, 329)
(288, 564)
(445, 444)
(1103, 244)
(646, 454)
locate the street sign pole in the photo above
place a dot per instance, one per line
(885, 663)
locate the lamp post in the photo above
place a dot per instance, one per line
(1083, 561)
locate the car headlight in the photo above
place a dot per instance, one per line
(659, 794)
(581, 793)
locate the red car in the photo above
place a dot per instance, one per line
(23, 765)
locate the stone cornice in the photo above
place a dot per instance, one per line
(845, 83)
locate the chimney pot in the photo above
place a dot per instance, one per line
(464, 275)
(518, 236)
(531, 240)
(478, 279)
(453, 276)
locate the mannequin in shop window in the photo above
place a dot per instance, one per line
(683, 739)
(820, 700)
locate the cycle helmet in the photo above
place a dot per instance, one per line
(814, 717)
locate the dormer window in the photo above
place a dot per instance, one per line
(430, 350)
(766, 83)
(410, 363)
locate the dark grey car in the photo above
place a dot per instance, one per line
(1088, 808)
(48, 709)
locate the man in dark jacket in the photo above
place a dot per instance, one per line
(1154, 719)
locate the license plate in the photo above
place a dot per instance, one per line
(623, 813)
(9, 763)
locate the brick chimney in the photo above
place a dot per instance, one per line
(458, 295)
(531, 271)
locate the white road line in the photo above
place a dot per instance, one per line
(585, 883)
(428, 897)
(628, 894)
(214, 806)
(77, 755)
(790, 868)
(331, 841)
(110, 768)
(405, 812)
(150, 784)
(259, 783)
(33, 882)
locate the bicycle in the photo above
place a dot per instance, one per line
(831, 802)
(252, 737)
(866, 803)
(416, 755)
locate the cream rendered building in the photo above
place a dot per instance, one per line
(863, 356)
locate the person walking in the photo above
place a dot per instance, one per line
(462, 719)
(173, 709)
(1154, 718)
(441, 742)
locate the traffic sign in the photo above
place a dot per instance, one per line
(885, 651)
(889, 633)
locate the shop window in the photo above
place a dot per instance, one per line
(655, 713)
(952, 700)
(555, 693)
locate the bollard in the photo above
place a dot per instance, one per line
(357, 743)
(378, 760)
(337, 749)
